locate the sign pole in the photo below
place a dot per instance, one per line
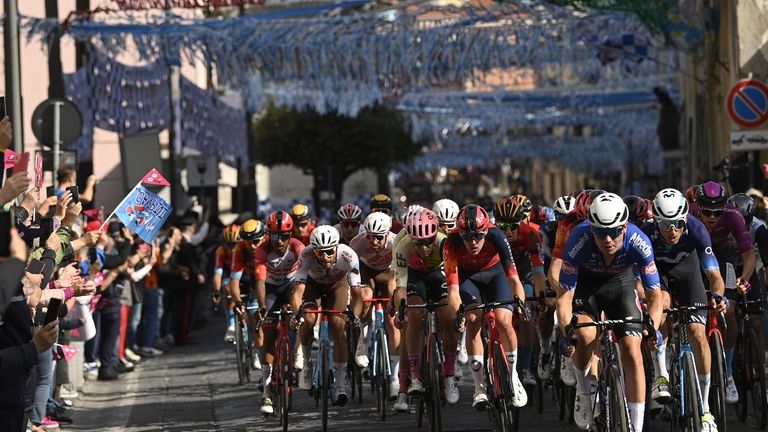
(56, 140)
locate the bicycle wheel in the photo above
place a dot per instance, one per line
(717, 387)
(248, 351)
(741, 376)
(617, 411)
(692, 403)
(435, 386)
(506, 422)
(382, 375)
(286, 377)
(240, 353)
(325, 382)
(756, 386)
(538, 397)
(558, 387)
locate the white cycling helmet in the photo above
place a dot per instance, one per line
(564, 205)
(349, 211)
(446, 210)
(324, 237)
(608, 211)
(670, 204)
(377, 223)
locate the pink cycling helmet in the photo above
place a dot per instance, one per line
(421, 224)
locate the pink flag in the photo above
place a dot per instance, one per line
(10, 158)
(95, 214)
(67, 352)
(154, 177)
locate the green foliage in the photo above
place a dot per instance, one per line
(377, 138)
(653, 13)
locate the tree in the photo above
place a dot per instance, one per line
(331, 146)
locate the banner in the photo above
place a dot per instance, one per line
(143, 212)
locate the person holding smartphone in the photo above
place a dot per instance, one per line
(67, 178)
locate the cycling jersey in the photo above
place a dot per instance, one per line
(346, 264)
(564, 228)
(496, 249)
(375, 259)
(759, 234)
(274, 269)
(405, 257)
(548, 233)
(581, 253)
(526, 251)
(222, 262)
(243, 263)
(730, 236)
(342, 240)
(695, 239)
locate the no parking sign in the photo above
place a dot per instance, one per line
(747, 103)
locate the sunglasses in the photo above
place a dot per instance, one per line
(449, 226)
(665, 225)
(477, 236)
(280, 236)
(508, 226)
(607, 232)
(378, 237)
(712, 212)
(304, 224)
(425, 242)
(350, 224)
(326, 252)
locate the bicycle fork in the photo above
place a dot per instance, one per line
(379, 329)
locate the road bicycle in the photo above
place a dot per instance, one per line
(748, 367)
(283, 375)
(379, 368)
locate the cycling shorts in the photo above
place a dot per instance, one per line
(485, 286)
(277, 296)
(613, 294)
(378, 280)
(334, 296)
(430, 286)
(686, 287)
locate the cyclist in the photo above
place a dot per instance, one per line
(759, 235)
(276, 263)
(682, 249)
(418, 269)
(374, 250)
(221, 269)
(479, 268)
(242, 273)
(327, 269)
(732, 246)
(526, 243)
(349, 226)
(640, 209)
(446, 211)
(382, 203)
(597, 275)
(562, 206)
(302, 223)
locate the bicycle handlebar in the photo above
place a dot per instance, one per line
(377, 300)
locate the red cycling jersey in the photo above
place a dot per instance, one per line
(275, 269)
(305, 238)
(564, 228)
(243, 258)
(496, 249)
(223, 258)
(528, 245)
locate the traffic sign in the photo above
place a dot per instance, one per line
(71, 123)
(749, 140)
(747, 103)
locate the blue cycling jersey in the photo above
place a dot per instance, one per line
(695, 239)
(581, 253)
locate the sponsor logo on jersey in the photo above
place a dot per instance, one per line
(568, 268)
(577, 247)
(650, 268)
(640, 245)
(347, 255)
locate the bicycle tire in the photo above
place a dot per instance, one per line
(717, 404)
(558, 387)
(248, 350)
(693, 415)
(740, 376)
(435, 387)
(325, 383)
(619, 418)
(419, 411)
(383, 377)
(505, 386)
(286, 376)
(757, 385)
(239, 353)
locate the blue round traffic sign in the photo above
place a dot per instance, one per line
(747, 103)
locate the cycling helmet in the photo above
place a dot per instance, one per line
(690, 194)
(584, 200)
(377, 223)
(525, 204)
(379, 202)
(279, 222)
(472, 219)
(640, 210)
(349, 211)
(608, 211)
(508, 210)
(746, 205)
(300, 213)
(711, 194)
(539, 214)
(670, 205)
(421, 224)
(324, 237)
(252, 230)
(564, 205)
(575, 193)
(446, 210)
(231, 234)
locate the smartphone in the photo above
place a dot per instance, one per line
(92, 256)
(6, 224)
(22, 164)
(53, 311)
(36, 267)
(47, 227)
(3, 110)
(50, 191)
(75, 194)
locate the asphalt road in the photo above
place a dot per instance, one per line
(194, 388)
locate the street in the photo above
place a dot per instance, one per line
(194, 388)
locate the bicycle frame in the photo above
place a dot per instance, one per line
(379, 328)
(324, 341)
(283, 338)
(683, 349)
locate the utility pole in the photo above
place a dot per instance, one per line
(13, 73)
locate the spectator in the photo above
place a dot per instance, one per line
(67, 177)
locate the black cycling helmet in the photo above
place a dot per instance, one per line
(746, 205)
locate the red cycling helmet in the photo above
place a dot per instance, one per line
(279, 222)
(539, 214)
(421, 224)
(640, 209)
(472, 219)
(690, 194)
